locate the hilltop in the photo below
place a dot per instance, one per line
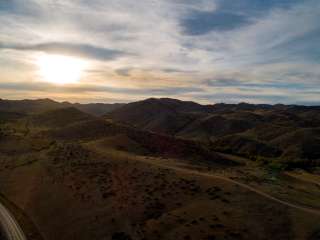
(41, 105)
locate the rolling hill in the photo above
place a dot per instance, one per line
(167, 116)
(152, 144)
(256, 130)
(59, 117)
(253, 129)
(161, 169)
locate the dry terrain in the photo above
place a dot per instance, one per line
(72, 175)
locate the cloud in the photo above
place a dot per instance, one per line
(257, 98)
(254, 8)
(80, 89)
(16, 7)
(176, 70)
(203, 22)
(125, 72)
(81, 50)
(229, 14)
(228, 82)
(6, 5)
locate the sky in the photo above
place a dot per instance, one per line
(208, 51)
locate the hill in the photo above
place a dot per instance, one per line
(6, 116)
(256, 126)
(97, 109)
(163, 115)
(42, 105)
(59, 117)
(178, 171)
(247, 147)
(302, 146)
(214, 126)
(29, 106)
(151, 143)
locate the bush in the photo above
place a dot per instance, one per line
(276, 166)
(121, 236)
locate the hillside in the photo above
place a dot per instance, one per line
(256, 126)
(97, 109)
(10, 116)
(164, 115)
(302, 144)
(151, 143)
(247, 147)
(59, 117)
(214, 126)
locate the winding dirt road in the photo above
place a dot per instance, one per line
(10, 226)
(13, 231)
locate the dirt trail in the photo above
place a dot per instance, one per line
(162, 164)
(243, 185)
(10, 226)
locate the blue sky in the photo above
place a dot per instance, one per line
(257, 51)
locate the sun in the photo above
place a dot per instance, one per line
(60, 69)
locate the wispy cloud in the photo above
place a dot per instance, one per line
(80, 88)
(228, 82)
(202, 22)
(81, 50)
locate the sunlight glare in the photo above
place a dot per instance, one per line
(60, 69)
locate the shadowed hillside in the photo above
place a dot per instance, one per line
(243, 129)
(164, 115)
(153, 144)
(59, 117)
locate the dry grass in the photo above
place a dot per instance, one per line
(80, 193)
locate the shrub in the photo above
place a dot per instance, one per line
(121, 236)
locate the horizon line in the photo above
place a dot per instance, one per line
(144, 99)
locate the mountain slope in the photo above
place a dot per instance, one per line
(214, 126)
(300, 144)
(59, 117)
(160, 115)
(247, 147)
(152, 143)
(244, 129)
